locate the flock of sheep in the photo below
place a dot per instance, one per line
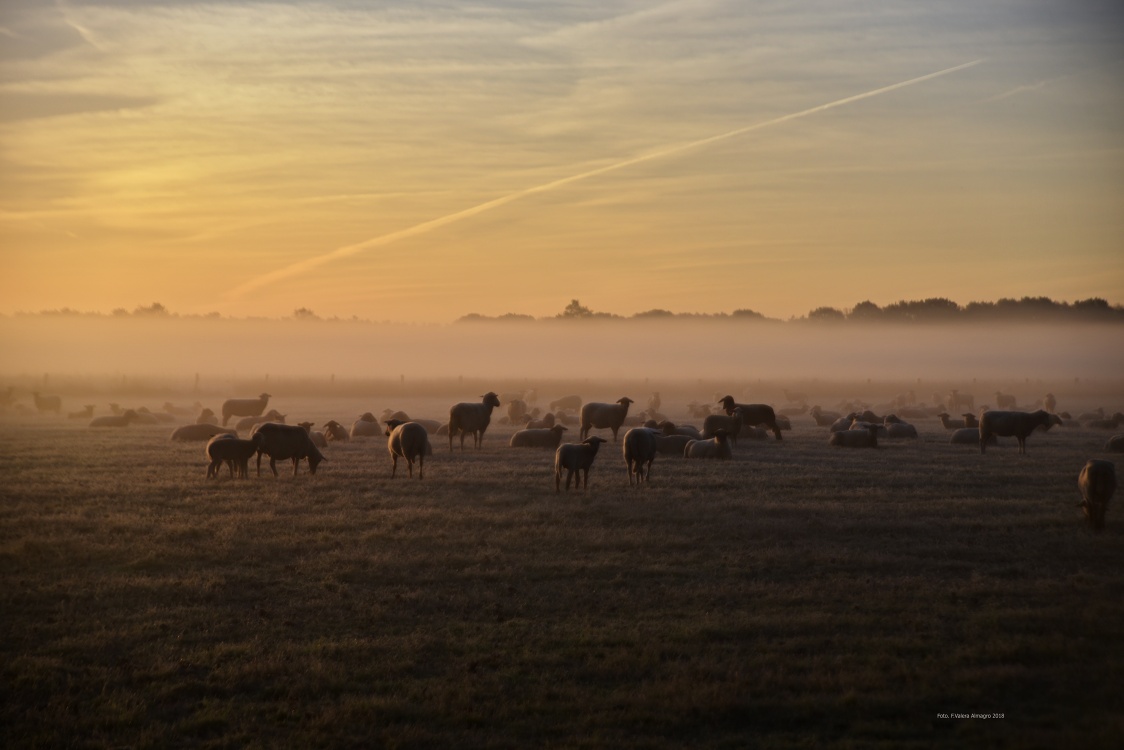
(647, 434)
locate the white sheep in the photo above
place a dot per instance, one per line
(468, 418)
(1097, 483)
(861, 437)
(957, 400)
(969, 420)
(604, 416)
(654, 401)
(717, 447)
(640, 447)
(366, 426)
(1005, 400)
(199, 432)
(843, 423)
(401, 416)
(516, 411)
(408, 440)
(1049, 402)
(546, 437)
(732, 424)
(244, 407)
(1017, 423)
(114, 420)
(575, 458)
(670, 428)
(754, 414)
(230, 449)
(672, 445)
(896, 428)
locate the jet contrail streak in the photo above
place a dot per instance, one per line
(428, 226)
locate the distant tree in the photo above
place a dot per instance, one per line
(303, 313)
(576, 310)
(866, 311)
(822, 314)
(654, 313)
(745, 312)
(155, 309)
(120, 312)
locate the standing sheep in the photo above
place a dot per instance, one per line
(566, 402)
(335, 432)
(235, 452)
(469, 418)
(575, 458)
(243, 407)
(1005, 400)
(731, 423)
(604, 416)
(1097, 483)
(717, 447)
(754, 414)
(640, 448)
(410, 441)
(545, 437)
(283, 441)
(654, 402)
(1017, 423)
(1049, 402)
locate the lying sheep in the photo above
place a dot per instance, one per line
(146, 416)
(862, 437)
(969, 436)
(1089, 416)
(566, 402)
(206, 417)
(47, 403)
(468, 418)
(754, 414)
(114, 420)
(732, 424)
(1106, 424)
(335, 432)
(401, 416)
(575, 458)
(900, 430)
(640, 449)
(282, 441)
(1115, 444)
(672, 445)
(431, 425)
(843, 423)
(199, 432)
(670, 428)
(604, 416)
(541, 424)
(243, 407)
(271, 416)
(1017, 423)
(408, 440)
(1097, 483)
(86, 413)
(969, 420)
(717, 447)
(230, 449)
(366, 426)
(318, 438)
(546, 437)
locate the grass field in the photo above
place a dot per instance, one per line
(798, 596)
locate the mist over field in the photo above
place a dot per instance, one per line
(558, 349)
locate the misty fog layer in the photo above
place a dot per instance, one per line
(664, 350)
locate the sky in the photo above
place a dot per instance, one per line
(419, 161)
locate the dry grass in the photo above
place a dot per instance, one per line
(797, 596)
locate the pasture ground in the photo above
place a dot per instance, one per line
(797, 596)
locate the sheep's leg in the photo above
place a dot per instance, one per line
(1022, 444)
(393, 465)
(296, 465)
(273, 465)
(259, 463)
(569, 476)
(421, 463)
(410, 466)
(557, 480)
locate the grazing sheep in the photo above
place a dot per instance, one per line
(468, 418)
(47, 403)
(717, 447)
(366, 426)
(1106, 424)
(410, 441)
(732, 424)
(249, 422)
(1004, 400)
(115, 420)
(199, 432)
(243, 407)
(575, 458)
(640, 448)
(86, 413)
(318, 438)
(206, 417)
(1017, 423)
(604, 416)
(670, 428)
(541, 424)
(335, 432)
(566, 402)
(672, 445)
(1115, 444)
(969, 436)
(547, 437)
(862, 437)
(283, 441)
(754, 414)
(1097, 483)
(235, 452)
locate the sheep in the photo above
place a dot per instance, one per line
(408, 440)
(432, 426)
(181, 411)
(670, 428)
(754, 414)
(235, 452)
(969, 436)
(335, 432)
(862, 437)
(717, 447)
(640, 448)
(575, 458)
(1091, 415)
(1017, 423)
(969, 420)
(1115, 444)
(698, 411)
(516, 410)
(283, 441)
(567, 418)
(206, 417)
(466, 418)
(401, 416)
(1097, 483)
(672, 445)
(1106, 424)
(318, 438)
(199, 432)
(1049, 402)
(366, 426)
(793, 410)
(114, 420)
(243, 407)
(732, 424)
(794, 396)
(900, 430)
(604, 416)
(549, 437)
(753, 433)
(86, 413)
(248, 422)
(1005, 400)
(654, 401)
(541, 424)
(843, 423)
(957, 400)
(566, 402)
(47, 403)
(150, 417)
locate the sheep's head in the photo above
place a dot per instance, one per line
(391, 424)
(667, 427)
(721, 435)
(727, 402)
(595, 441)
(306, 425)
(264, 396)
(491, 399)
(625, 401)
(1052, 419)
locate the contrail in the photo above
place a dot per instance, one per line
(429, 226)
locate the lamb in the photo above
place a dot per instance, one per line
(466, 418)
(1097, 483)
(47, 403)
(732, 424)
(318, 438)
(410, 441)
(857, 438)
(335, 432)
(566, 402)
(549, 437)
(1004, 400)
(602, 416)
(1017, 423)
(206, 417)
(969, 420)
(969, 436)
(754, 414)
(640, 448)
(717, 447)
(282, 441)
(1106, 424)
(199, 432)
(114, 420)
(86, 413)
(575, 458)
(243, 407)
(366, 426)
(1115, 444)
(541, 424)
(271, 416)
(235, 452)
